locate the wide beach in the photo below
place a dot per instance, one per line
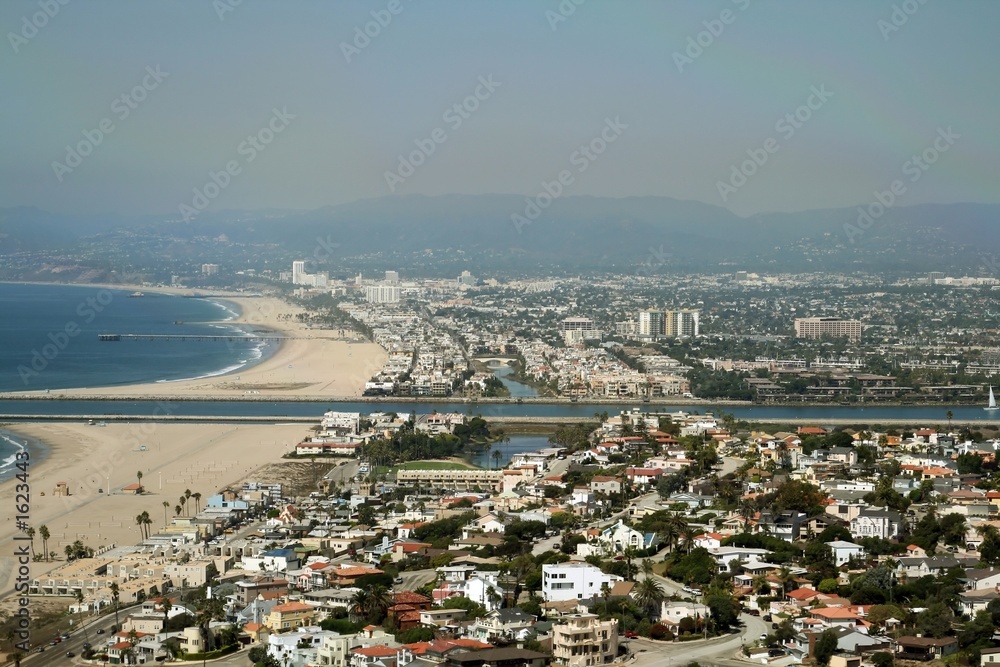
(91, 460)
(311, 363)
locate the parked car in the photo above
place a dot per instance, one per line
(70, 654)
(100, 631)
(631, 635)
(754, 612)
(397, 580)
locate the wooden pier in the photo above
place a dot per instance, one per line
(114, 338)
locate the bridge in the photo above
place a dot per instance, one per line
(496, 359)
(114, 338)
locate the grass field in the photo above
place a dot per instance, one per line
(434, 465)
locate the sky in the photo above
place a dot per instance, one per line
(147, 107)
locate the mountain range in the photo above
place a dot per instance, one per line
(571, 232)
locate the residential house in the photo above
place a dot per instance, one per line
(883, 524)
(503, 624)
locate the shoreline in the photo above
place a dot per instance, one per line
(94, 461)
(319, 363)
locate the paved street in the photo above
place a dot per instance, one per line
(719, 651)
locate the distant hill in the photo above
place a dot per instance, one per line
(576, 233)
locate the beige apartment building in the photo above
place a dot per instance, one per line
(584, 640)
(818, 327)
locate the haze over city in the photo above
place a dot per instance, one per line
(690, 103)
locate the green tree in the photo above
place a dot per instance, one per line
(826, 646)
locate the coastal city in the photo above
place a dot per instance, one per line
(667, 530)
(534, 333)
(635, 538)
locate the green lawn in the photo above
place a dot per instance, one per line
(433, 465)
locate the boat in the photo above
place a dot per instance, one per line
(993, 401)
(135, 295)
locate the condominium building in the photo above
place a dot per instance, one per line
(584, 640)
(451, 479)
(382, 293)
(650, 323)
(818, 327)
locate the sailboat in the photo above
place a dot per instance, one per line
(993, 401)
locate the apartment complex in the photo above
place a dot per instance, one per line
(818, 327)
(584, 640)
(669, 324)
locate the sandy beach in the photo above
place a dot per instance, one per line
(172, 457)
(312, 363)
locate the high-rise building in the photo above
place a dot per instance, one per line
(650, 323)
(392, 276)
(818, 327)
(467, 279)
(683, 323)
(298, 270)
(210, 269)
(382, 293)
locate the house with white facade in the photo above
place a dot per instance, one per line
(574, 581)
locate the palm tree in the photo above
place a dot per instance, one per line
(177, 510)
(361, 603)
(139, 522)
(79, 602)
(166, 506)
(197, 501)
(949, 415)
(649, 595)
(166, 605)
(147, 522)
(497, 457)
(69, 553)
(380, 599)
(138, 476)
(31, 536)
(182, 501)
(115, 598)
(785, 577)
(486, 448)
(43, 531)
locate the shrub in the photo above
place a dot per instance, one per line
(661, 632)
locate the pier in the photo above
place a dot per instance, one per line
(114, 338)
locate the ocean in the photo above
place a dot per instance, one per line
(49, 340)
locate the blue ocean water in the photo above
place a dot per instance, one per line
(49, 338)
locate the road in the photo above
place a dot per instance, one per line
(414, 579)
(720, 651)
(76, 640)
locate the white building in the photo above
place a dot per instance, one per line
(574, 581)
(843, 551)
(382, 293)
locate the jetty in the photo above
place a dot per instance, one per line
(252, 338)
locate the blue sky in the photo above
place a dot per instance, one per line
(688, 126)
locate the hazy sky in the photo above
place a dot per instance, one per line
(686, 114)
